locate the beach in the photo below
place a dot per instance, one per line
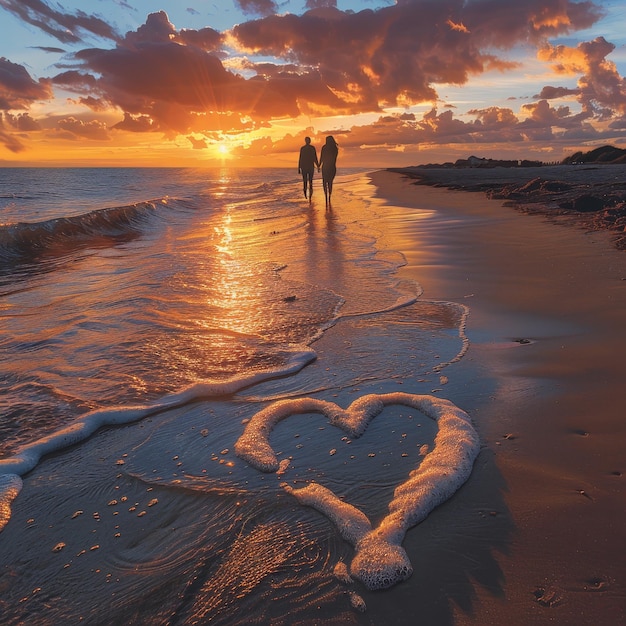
(217, 301)
(590, 195)
(547, 303)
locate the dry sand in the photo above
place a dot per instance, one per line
(590, 196)
(547, 328)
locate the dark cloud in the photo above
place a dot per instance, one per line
(78, 81)
(67, 28)
(502, 24)
(541, 114)
(318, 4)
(17, 89)
(205, 38)
(159, 29)
(138, 124)
(394, 55)
(495, 118)
(49, 49)
(166, 81)
(22, 122)
(257, 7)
(95, 104)
(618, 124)
(323, 62)
(87, 130)
(552, 93)
(9, 140)
(166, 75)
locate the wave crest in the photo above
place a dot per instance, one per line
(27, 241)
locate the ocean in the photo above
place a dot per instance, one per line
(150, 318)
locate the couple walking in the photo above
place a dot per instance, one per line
(327, 163)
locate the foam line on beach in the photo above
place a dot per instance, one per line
(408, 300)
(400, 303)
(27, 458)
(380, 561)
(462, 330)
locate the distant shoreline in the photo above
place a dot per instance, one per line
(589, 196)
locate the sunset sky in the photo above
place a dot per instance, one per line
(241, 82)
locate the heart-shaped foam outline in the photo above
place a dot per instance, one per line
(379, 560)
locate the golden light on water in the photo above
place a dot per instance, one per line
(235, 292)
(225, 236)
(222, 183)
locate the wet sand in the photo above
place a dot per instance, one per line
(544, 381)
(127, 525)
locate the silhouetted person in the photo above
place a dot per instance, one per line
(328, 165)
(307, 164)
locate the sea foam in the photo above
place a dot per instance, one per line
(27, 457)
(379, 561)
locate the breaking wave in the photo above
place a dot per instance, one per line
(29, 241)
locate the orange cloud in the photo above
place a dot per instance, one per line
(198, 144)
(600, 84)
(321, 63)
(406, 133)
(395, 54)
(460, 27)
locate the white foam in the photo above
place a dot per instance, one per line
(462, 330)
(352, 523)
(401, 302)
(411, 298)
(27, 457)
(379, 560)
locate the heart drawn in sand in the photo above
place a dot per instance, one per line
(379, 561)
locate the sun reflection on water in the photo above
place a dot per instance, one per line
(224, 180)
(236, 294)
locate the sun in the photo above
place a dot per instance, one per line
(223, 150)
